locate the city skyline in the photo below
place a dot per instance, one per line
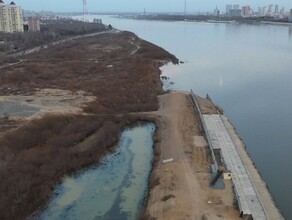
(139, 5)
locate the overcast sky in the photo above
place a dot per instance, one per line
(139, 5)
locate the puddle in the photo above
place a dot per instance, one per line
(16, 108)
(44, 101)
(115, 189)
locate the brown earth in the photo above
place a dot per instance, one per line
(180, 189)
(89, 86)
(119, 74)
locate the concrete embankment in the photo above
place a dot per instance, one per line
(268, 204)
(253, 198)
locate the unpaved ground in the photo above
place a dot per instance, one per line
(16, 109)
(181, 188)
(44, 101)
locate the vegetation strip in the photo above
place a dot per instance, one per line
(35, 154)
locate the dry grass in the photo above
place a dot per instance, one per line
(131, 84)
(36, 155)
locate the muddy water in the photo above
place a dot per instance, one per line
(115, 189)
(16, 108)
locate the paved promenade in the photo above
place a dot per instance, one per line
(253, 196)
(272, 212)
(248, 201)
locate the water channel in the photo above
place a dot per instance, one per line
(115, 189)
(246, 69)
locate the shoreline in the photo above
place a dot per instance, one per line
(172, 185)
(179, 137)
(214, 21)
(37, 149)
(157, 208)
(260, 185)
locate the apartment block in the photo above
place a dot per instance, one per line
(11, 19)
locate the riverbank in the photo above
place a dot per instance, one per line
(259, 184)
(121, 72)
(63, 108)
(179, 185)
(180, 189)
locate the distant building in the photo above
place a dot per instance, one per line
(264, 10)
(235, 7)
(282, 11)
(270, 10)
(216, 12)
(28, 14)
(290, 16)
(246, 11)
(4, 21)
(228, 8)
(97, 21)
(259, 11)
(46, 15)
(11, 19)
(233, 10)
(276, 10)
(34, 24)
(235, 13)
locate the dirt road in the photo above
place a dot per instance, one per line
(181, 188)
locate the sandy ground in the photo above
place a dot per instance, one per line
(182, 187)
(15, 110)
(44, 101)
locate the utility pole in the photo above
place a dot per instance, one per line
(85, 12)
(185, 12)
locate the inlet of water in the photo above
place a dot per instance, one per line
(114, 189)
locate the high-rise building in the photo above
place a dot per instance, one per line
(4, 25)
(264, 10)
(11, 19)
(290, 16)
(216, 12)
(228, 8)
(235, 13)
(246, 10)
(233, 10)
(33, 24)
(270, 10)
(276, 9)
(282, 11)
(259, 11)
(235, 7)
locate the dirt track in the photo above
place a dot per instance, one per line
(182, 187)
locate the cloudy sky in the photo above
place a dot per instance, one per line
(139, 5)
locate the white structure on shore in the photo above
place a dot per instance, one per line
(11, 19)
(290, 16)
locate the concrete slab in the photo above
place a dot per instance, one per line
(248, 200)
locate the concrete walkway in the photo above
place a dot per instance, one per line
(272, 212)
(248, 201)
(252, 194)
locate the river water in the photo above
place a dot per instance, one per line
(115, 189)
(247, 70)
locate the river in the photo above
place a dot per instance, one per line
(246, 69)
